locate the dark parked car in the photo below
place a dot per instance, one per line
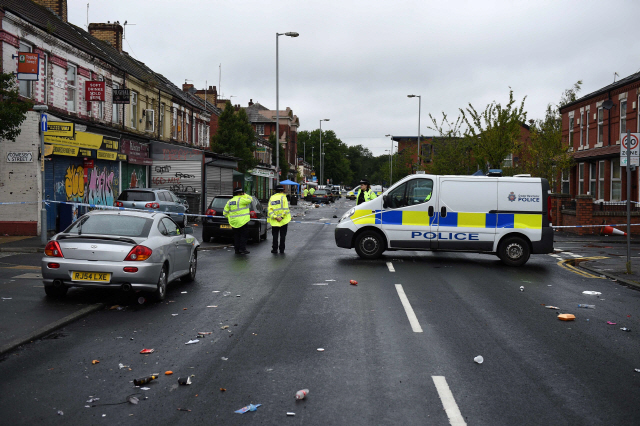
(218, 225)
(336, 192)
(321, 196)
(154, 199)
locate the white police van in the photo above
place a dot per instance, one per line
(507, 216)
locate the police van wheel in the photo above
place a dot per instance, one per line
(514, 251)
(369, 245)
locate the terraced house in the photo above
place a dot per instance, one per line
(113, 122)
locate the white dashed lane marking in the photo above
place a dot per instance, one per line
(413, 320)
(448, 402)
(390, 266)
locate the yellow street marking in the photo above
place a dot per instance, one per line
(569, 265)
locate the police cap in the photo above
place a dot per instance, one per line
(364, 182)
(279, 188)
(238, 191)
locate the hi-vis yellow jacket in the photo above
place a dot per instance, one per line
(237, 210)
(278, 207)
(368, 195)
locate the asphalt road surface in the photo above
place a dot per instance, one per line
(399, 347)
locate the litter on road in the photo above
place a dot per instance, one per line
(479, 359)
(184, 381)
(566, 317)
(144, 380)
(95, 361)
(302, 394)
(121, 366)
(582, 305)
(224, 359)
(146, 351)
(249, 407)
(552, 307)
(184, 409)
(592, 293)
(625, 329)
(168, 373)
(353, 282)
(141, 300)
(183, 292)
(289, 413)
(611, 323)
(190, 342)
(521, 288)
(320, 349)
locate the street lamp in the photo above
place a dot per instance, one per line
(43, 211)
(289, 34)
(391, 162)
(322, 156)
(419, 108)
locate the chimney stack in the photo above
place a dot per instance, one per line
(186, 87)
(111, 33)
(59, 7)
(250, 102)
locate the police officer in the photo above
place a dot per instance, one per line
(305, 193)
(365, 193)
(279, 217)
(312, 190)
(237, 211)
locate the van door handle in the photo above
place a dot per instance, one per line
(443, 211)
(430, 211)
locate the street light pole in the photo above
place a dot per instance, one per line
(289, 34)
(43, 210)
(391, 163)
(321, 152)
(419, 113)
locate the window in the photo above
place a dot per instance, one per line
(150, 121)
(623, 116)
(419, 191)
(508, 161)
(100, 104)
(170, 226)
(601, 180)
(25, 87)
(600, 125)
(616, 183)
(260, 129)
(112, 224)
(72, 84)
(133, 110)
(161, 120)
(115, 108)
(581, 128)
(570, 131)
(592, 179)
(45, 80)
(586, 129)
(581, 178)
(175, 124)
(565, 182)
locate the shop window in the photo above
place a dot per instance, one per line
(616, 182)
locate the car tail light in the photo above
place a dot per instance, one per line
(139, 253)
(53, 249)
(549, 209)
(253, 215)
(130, 269)
(210, 212)
(152, 205)
(118, 204)
(53, 265)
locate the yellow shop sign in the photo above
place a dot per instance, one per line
(59, 128)
(106, 155)
(81, 140)
(63, 150)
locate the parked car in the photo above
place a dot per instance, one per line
(321, 196)
(336, 192)
(125, 250)
(157, 199)
(218, 225)
(351, 195)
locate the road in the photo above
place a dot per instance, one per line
(399, 347)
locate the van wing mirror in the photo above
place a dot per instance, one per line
(385, 201)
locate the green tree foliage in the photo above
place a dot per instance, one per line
(12, 110)
(452, 152)
(496, 130)
(362, 163)
(235, 137)
(337, 166)
(546, 156)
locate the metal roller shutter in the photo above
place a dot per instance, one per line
(178, 176)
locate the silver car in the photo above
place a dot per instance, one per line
(154, 199)
(125, 250)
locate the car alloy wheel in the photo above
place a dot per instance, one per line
(193, 268)
(161, 291)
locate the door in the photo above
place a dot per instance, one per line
(467, 214)
(169, 247)
(181, 249)
(409, 215)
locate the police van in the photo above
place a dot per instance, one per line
(507, 216)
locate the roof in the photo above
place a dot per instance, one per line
(615, 85)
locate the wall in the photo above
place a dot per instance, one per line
(584, 214)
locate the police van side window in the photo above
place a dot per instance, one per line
(419, 191)
(396, 198)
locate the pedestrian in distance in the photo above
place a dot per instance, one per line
(364, 192)
(279, 216)
(237, 211)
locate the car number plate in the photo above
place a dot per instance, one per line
(90, 276)
(225, 226)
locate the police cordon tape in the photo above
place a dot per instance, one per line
(100, 206)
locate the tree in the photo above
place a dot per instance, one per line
(452, 152)
(283, 155)
(235, 136)
(337, 166)
(13, 111)
(496, 130)
(546, 156)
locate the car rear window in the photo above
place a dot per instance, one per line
(321, 192)
(137, 196)
(112, 225)
(219, 202)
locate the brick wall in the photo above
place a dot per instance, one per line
(111, 33)
(585, 214)
(59, 7)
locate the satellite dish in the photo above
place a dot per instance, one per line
(608, 104)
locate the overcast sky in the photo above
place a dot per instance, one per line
(356, 61)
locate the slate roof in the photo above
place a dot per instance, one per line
(615, 85)
(49, 22)
(253, 112)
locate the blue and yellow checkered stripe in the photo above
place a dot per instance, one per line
(453, 219)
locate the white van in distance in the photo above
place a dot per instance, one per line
(507, 216)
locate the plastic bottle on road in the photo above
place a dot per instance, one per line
(301, 394)
(582, 305)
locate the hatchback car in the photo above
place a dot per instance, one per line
(125, 250)
(321, 196)
(157, 199)
(218, 226)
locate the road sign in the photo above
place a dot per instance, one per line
(635, 161)
(43, 123)
(633, 144)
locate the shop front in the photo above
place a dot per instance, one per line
(219, 176)
(262, 182)
(83, 168)
(135, 172)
